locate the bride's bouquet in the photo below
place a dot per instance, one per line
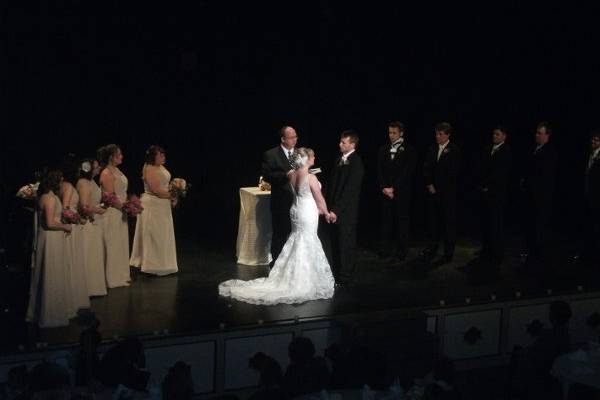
(178, 188)
(28, 192)
(133, 206)
(108, 200)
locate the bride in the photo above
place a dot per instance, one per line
(301, 272)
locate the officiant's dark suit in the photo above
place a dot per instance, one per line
(395, 167)
(441, 205)
(496, 164)
(539, 185)
(275, 167)
(342, 194)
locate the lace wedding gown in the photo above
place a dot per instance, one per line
(301, 272)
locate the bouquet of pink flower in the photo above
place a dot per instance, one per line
(28, 191)
(86, 213)
(108, 200)
(178, 188)
(133, 206)
(69, 216)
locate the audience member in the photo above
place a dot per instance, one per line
(306, 373)
(123, 364)
(178, 384)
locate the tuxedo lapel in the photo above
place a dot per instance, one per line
(339, 175)
(283, 159)
(445, 152)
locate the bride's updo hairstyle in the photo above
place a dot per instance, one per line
(300, 157)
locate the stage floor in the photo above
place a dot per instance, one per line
(188, 302)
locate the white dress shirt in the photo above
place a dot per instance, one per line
(345, 156)
(496, 147)
(441, 148)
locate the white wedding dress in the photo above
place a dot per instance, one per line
(301, 272)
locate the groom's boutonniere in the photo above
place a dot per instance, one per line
(446, 151)
(400, 149)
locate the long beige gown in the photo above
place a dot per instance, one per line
(93, 247)
(154, 241)
(116, 238)
(50, 290)
(75, 262)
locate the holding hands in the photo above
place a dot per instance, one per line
(389, 192)
(330, 217)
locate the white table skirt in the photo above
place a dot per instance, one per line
(254, 230)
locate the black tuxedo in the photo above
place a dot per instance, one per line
(275, 166)
(539, 185)
(591, 240)
(592, 181)
(441, 206)
(342, 194)
(494, 182)
(395, 170)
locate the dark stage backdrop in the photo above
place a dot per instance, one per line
(213, 83)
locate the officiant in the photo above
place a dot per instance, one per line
(276, 165)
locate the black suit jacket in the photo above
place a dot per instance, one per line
(396, 173)
(540, 177)
(342, 193)
(275, 166)
(442, 173)
(592, 181)
(495, 171)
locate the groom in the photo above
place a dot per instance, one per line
(276, 166)
(342, 194)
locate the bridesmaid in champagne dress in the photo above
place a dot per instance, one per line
(74, 249)
(116, 232)
(154, 241)
(49, 294)
(90, 196)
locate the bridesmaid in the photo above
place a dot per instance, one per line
(74, 249)
(154, 241)
(116, 232)
(50, 293)
(90, 196)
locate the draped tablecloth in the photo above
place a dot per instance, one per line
(254, 230)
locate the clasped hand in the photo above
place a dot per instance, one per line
(330, 217)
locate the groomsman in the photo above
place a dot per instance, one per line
(440, 170)
(591, 251)
(276, 165)
(496, 168)
(395, 167)
(342, 194)
(539, 185)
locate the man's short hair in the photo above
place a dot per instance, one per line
(351, 134)
(545, 124)
(444, 127)
(282, 130)
(595, 134)
(501, 128)
(396, 124)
